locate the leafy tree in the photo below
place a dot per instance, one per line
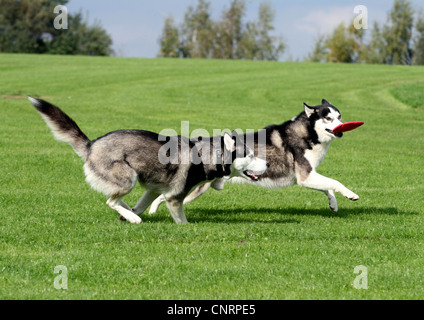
(342, 45)
(229, 32)
(26, 26)
(22, 24)
(228, 38)
(93, 40)
(319, 52)
(197, 31)
(375, 51)
(268, 47)
(390, 43)
(360, 46)
(398, 32)
(169, 41)
(82, 38)
(419, 41)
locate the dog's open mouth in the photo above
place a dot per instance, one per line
(338, 134)
(251, 175)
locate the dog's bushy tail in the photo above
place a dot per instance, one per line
(63, 127)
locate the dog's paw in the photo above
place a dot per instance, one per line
(153, 210)
(349, 194)
(133, 220)
(352, 196)
(334, 207)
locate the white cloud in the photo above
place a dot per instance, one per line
(325, 21)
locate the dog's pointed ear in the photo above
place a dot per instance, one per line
(308, 110)
(325, 102)
(229, 142)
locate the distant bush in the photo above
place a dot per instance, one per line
(27, 26)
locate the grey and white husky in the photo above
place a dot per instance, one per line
(168, 166)
(294, 151)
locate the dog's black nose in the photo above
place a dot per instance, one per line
(267, 164)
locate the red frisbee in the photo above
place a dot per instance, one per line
(347, 126)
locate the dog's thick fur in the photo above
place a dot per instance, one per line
(294, 151)
(115, 162)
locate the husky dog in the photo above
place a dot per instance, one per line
(115, 162)
(294, 151)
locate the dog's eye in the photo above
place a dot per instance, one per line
(328, 119)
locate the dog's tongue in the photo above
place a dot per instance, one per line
(347, 126)
(251, 175)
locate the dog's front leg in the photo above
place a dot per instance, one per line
(156, 203)
(197, 192)
(314, 180)
(144, 202)
(332, 201)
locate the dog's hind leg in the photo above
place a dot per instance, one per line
(144, 202)
(115, 204)
(176, 208)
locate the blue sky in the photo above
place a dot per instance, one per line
(136, 25)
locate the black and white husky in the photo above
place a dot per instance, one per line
(294, 151)
(168, 166)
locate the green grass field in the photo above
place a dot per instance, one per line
(241, 243)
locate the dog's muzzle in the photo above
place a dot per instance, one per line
(254, 176)
(337, 135)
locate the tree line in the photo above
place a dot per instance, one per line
(26, 26)
(230, 37)
(400, 40)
